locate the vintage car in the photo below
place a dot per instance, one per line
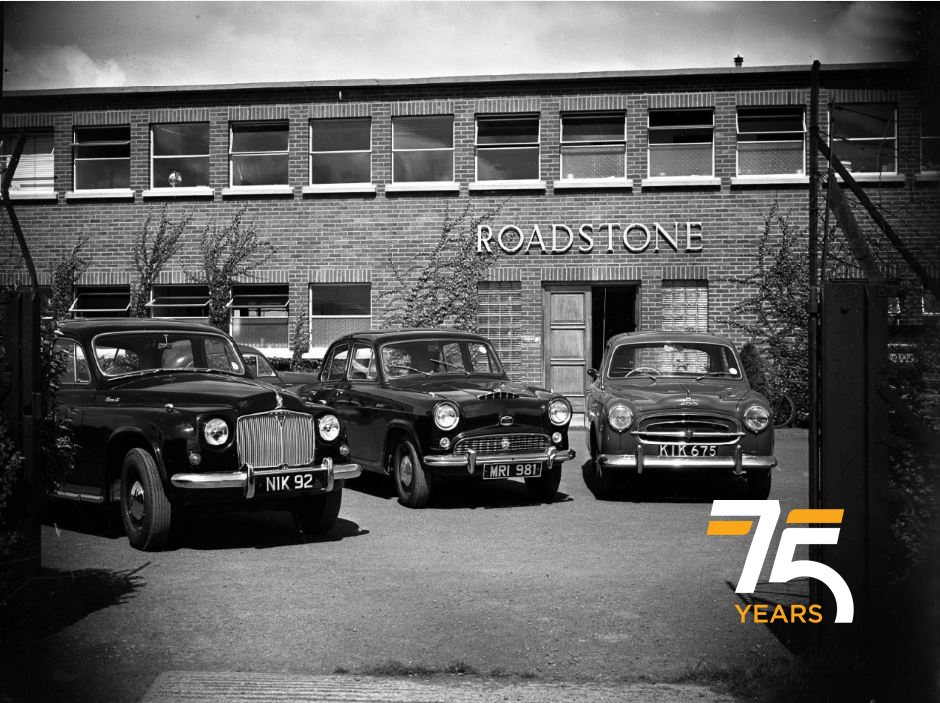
(676, 402)
(429, 404)
(261, 369)
(164, 417)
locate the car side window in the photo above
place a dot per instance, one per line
(335, 367)
(363, 364)
(74, 366)
(480, 359)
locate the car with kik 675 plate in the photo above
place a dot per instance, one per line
(165, 418)
(425, 405)
(676, 402)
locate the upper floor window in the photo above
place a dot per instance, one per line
(180, 155)
(341, 151)
(681, 143)
(593, 146)
(423, 149)
(864, 136)
(102, 157)
(507, 148)
(930, 138)
(258, 153)
(770, 141)
(36, 168)
(336, 309)
(260, 315)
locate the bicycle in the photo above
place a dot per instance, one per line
(782, 409)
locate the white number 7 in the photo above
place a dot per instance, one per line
(785, 567)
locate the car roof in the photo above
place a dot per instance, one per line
(88, 327)
(667, 336)
(405, 334)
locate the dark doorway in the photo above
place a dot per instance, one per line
(613, 310)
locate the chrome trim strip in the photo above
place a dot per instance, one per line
(245, 479)
(80, 497)
(470, 460)
(738, 463)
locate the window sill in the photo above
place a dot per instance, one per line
(194, 192)
(876, 177)
(575, 183)
(508, 185)
(681, 182)
(927, 177)
(33, 195)
(338, 188)
(101, 194)
(780, 179)
(423, 187)
(258, 190)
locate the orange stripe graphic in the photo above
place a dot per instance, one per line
(729, 527)
(817, 515)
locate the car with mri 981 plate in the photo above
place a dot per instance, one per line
(426, 405)
(680, 403)
(165, 417)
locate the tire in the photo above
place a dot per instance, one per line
(782, 410)
(411, 480)
(543, 488)
(758, 485)
(145, 510)
(316, 515)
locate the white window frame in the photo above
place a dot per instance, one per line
(893, 138)
(100, 192)
(166, 298)
(673, 179)
(417, 185)
(932, 136)
(89, 293)
(268, 296)
(166, 188)
(337, 187)
(264, 188)
(318, 350)
(37, 160)
(743, 137)
(581, 144)
(508, 183)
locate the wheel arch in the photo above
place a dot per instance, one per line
(120, 443)
(395, 433)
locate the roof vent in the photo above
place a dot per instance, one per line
(738, 61)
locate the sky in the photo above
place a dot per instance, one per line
(51, 45)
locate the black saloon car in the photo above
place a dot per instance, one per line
(676, 402)
(428, 404)
(164, 417)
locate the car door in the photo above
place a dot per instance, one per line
(367, 410)
(75, 402)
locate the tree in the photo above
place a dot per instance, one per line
(151, 255)
(441, 289)
(228, 254)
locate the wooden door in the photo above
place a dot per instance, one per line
(567, 341)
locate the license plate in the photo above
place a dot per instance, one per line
(688, 450)
(516, 469)
(284, 483)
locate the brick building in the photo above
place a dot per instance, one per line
(622, 200)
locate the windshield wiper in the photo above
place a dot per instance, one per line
(451, 366)
(712, 374)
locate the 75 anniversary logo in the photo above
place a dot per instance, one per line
(785, 567)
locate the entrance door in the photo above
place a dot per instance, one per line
(567, 347)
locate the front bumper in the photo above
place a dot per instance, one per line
(738, 463)
(470, 460)
(246, 477)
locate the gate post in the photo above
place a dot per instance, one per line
(853, 456)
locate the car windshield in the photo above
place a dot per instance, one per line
(125, 353)
(697, 360)
(425, 357)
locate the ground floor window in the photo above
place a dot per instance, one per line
(337, 309)
(260, 316)
(189, 301)
(101, 301)
(499, 319)
(685, 305)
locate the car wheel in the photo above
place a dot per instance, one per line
(758, 485)
(411, 481)
(543, 488)
(317, 514)
(145, 510)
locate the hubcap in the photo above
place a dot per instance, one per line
(406, 471)
(135, 498)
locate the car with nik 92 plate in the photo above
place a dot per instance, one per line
(676, 402)
(430, 404)
(165, 417)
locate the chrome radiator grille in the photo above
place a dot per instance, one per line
(273, 439)
(687, 429)
(493, 444)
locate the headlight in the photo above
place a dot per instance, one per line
(446, 416)
(216, 432)
(757, 417)
(559, 411)
(328, 427)
(619, 417)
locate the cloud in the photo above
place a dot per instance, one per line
(45, 66)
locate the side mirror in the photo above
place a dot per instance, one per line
(593, 373)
